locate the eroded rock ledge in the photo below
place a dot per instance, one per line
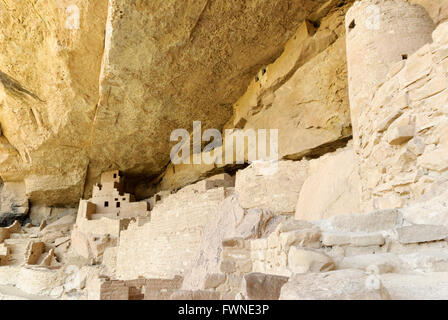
(348, 214)
(107, 95)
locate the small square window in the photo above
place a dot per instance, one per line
(124, 199)
(352, 24)
(116, 199)
(106, 204)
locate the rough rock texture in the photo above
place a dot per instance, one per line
(422, 233)
(48, 90)
(13, 203)
(277, 192)
(431, 286)
(131, 73)
(438, 10)
(195, 295)
(310, 111)
(371, 216)
(335, 285)
(383, 262)
(199, 55)
(430, 210)
(235, 263)
(371, 222)
(231, 221)
(259, 286)
(332, 186)
(302, 260)
(352, 239)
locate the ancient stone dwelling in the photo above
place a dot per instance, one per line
(355, 206)
(101, 219)
(110, 201)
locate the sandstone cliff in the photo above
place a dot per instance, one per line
(354, 206)
(78, 100)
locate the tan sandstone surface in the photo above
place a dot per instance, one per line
(77, 101)
(354, 207)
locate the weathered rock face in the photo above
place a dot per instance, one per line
(332, 186)
(309, 112)
(111, 91)
(260, 286)
(430, 210)
(277, 192)
(336, 285)
(49, 72)
(13, 203)
(168, 63)
(230, 222)
(438, 10)
(67, 107)
(222, 226)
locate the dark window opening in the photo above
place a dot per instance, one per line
(352, 24)
(115, 175)
(315, 24)
(263, 71)
(118, 204)
(124, 199)
(257, 79)
(116, 199)
(106, 204)
(404, 56)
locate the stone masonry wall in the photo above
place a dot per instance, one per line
(403, 130)
(275, 254)
(375, 41)
(168, 244)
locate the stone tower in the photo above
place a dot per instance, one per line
(380, 33)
